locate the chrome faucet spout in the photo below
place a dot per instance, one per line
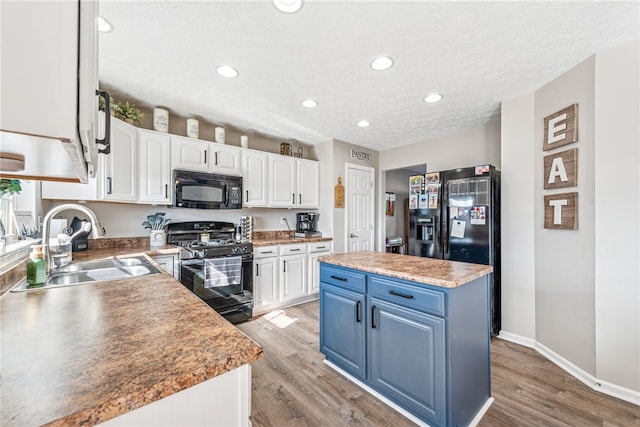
(96, 229)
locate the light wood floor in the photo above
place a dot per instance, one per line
(293, 387)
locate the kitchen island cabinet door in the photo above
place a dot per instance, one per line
(407, 359)
(342, 329)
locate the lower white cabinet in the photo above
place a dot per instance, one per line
(286, 274)
(266, 294)
(169, 263)
(316, 250)
(293, 271)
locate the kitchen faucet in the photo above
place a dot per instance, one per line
(96, 229)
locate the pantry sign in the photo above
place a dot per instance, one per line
(561, 169)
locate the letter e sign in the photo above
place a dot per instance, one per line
(561, 128)
(561, 169)
(561, 211)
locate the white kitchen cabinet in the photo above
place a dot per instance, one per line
(266, 294)
(154, 167)
(282, 181)
(196, 155)
(49, 78)
(225, 159)
(121, 164)
(293, 271)
(316, 250)
(254, 178)
(117, 177)
(189, 154)
(169, 263)
(293, 182)
(308, 183)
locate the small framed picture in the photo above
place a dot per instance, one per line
(25, 224)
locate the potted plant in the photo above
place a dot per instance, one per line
(9, 187)
(127, 111)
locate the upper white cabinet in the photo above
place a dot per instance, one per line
(307, 180)
(121, 164)
(254, 178)
(293, 182)
(154, 167)
(196, 155)
(225, 159)
(49, 79)
(282, 181)
(117, 177)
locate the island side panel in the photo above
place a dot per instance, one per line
(469, 351)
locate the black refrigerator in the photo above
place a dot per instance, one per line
(455, 215)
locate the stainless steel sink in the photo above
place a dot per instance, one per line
(93, 271)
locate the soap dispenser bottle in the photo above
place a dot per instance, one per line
(36, 267)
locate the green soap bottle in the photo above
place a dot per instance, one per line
(36, 267)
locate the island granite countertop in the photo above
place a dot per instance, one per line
(447, 274)
(83, 354)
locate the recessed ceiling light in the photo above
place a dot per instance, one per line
(227, 71)
(434, 97)
(363, 123)
(104, 26)
(288, 6)
(382, 63)
(309, 103)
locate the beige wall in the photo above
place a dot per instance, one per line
(586, 282)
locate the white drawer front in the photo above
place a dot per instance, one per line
(265, 251)
(294, 249)
(321, 246)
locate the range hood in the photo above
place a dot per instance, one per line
(49, 80)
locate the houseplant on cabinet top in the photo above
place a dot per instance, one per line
(127, 111)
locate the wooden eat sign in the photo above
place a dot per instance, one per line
(561, 169)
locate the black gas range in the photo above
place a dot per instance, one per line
(215, 266)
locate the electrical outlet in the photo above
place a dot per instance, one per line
(283, 220)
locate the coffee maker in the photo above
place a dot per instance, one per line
(307, 225)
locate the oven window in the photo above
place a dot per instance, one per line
(202, 193)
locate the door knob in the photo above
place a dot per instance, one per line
(352, 235)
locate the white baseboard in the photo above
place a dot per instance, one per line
(401, 410)
(592, 382)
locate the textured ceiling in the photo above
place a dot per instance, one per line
(475, 53)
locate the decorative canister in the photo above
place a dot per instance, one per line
(160, 120)
(219, 135)
(157, 238)
(193, 128)
(244, 141)
(285, 149)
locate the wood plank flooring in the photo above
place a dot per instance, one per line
(293, 387)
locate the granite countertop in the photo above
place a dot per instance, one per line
(447, 274)
(81, 355)
(288, 240)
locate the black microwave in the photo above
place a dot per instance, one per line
(207, 191)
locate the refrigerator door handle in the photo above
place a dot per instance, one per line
(445, 233)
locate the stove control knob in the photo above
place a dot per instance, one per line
(202, 253)
(235, 250)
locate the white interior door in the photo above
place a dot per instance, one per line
(359, 208)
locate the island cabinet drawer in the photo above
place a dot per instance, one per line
(265, 251)
(347, 279)
(425, 300)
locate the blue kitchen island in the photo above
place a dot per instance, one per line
(414, 331)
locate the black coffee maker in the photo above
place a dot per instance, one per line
(307, 225)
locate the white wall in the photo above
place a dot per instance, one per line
(470, 147)
(125, 220)
(587, 281)
(564, 259)
(517, 219)
(617, 212)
